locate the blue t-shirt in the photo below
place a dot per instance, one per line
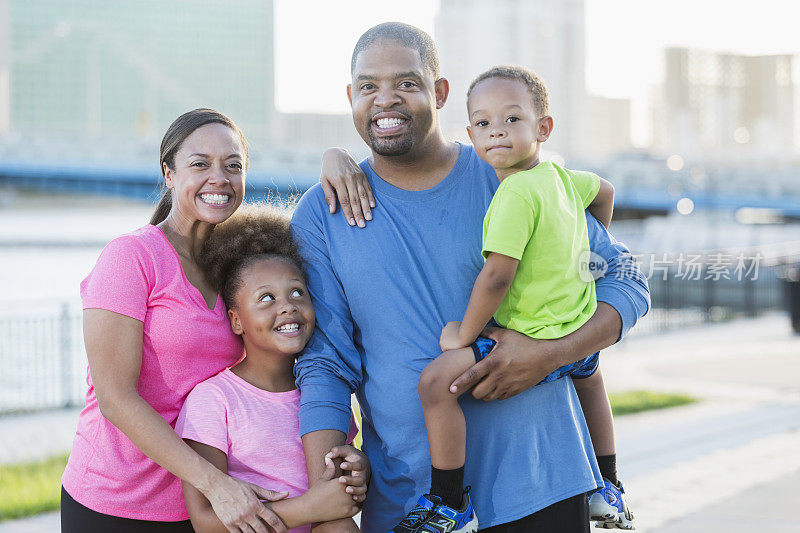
(382, 295)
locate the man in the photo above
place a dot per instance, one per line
(383, 293)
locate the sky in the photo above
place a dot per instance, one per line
(624, 43)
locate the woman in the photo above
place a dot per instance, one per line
(153, 329)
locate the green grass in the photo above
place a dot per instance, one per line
(28, 489)
(625, 403)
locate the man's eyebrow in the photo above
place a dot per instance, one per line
(364, 77)
(409, 74)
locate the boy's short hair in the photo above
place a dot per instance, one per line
(405, 34)
(531, 80)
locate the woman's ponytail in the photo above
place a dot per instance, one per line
(163, 208)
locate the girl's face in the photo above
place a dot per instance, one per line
(208, 179)
(273, 310)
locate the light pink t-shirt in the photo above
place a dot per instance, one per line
(258, 430)
(139, 275)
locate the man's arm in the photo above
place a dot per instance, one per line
(330, 367)
(519, 362)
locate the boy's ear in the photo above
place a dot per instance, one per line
(349, 94)
(469, 133)
(442, 90)
(545, 128)
(236, 323)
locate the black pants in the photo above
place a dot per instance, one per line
(76, 518)
(567, 516)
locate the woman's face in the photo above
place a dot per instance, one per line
(273, 311)
(208, 179)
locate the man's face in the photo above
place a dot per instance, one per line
(393, 97)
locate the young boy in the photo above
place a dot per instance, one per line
(534, 241)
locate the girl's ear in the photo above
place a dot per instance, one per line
(236, 323)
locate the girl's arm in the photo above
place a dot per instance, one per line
(342, 179)
(602, 207)
(114, 349)
(488, 292)
(324, 502)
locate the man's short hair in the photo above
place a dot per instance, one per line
(531, 80)
(404, 34)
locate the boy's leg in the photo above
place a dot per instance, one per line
(597, 411)
(447, 430)
(607, 505)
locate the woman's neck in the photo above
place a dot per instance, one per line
(268, 371)
(186, 236)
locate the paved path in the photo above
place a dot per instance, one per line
(25, 438)
(728, 464)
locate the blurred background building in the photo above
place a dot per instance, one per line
(547, 36)
(127, 69)
(718, 105)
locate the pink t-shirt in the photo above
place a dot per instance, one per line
(139, 275)
(258, 430)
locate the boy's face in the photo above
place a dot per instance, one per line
(504, 126)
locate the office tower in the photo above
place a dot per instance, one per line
(724, 105)
(127, 68)
(547, 36)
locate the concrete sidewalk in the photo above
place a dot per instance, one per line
(728, 464)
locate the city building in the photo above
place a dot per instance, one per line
(126, 69)
(723, 105)
(607, 127)
(5, 64)
(315, 132)
(547, 36)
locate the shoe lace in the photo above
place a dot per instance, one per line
(416, 515)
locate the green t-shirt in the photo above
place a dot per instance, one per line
(537, 216)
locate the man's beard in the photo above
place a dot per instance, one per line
(393, 146)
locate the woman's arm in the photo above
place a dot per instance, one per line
(326, 501)
(114, 349)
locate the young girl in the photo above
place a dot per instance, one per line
(244, 420)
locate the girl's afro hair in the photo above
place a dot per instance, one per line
(253, 232)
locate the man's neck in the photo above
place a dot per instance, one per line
(420, 169)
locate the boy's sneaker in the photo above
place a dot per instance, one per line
(425, 506)
(440, 518)
(608, 507)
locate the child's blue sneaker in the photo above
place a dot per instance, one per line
(608, 507)
(440, 518)
(425, 506)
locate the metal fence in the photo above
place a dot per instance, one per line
(678, 302)
(43, 360)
